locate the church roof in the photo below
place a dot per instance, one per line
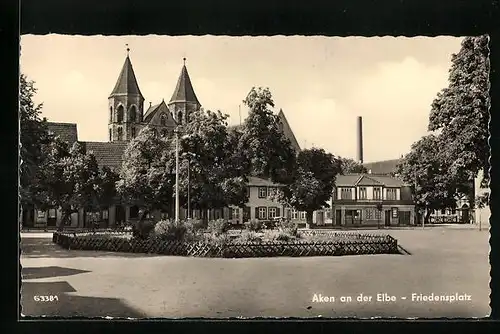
(184, 91)
(287, 131)
(65, 131)
(107, 153)
(127, 82)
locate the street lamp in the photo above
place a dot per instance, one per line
(176, 131)
(187, 156)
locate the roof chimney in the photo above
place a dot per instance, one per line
(150, 104)
(360, 139)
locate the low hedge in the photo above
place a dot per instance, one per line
(228, 248)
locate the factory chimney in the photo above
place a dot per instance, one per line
(360, 139)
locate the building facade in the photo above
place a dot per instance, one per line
(371, 200)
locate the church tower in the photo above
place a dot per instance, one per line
(184, 100)
(125, 105)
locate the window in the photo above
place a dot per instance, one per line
(164, 133)
(262, 192)
(346, 193)
(105, 214)
(443, 211)
(295, 214)
(52, 213)
(133, 132)
(272, 212)
(109, 134)
(377, 193)
(111, 114)
(362, 193)
(262, 213)
(246, 213)
(272, 191)
(119, 114)
(391, 194)
(132, 114)
(179, 117)
(378, 214)
(369, 214)
(235, 213)
(302, 215)
(394, 212)
(120, 134)
(163, 120)
(134, 212)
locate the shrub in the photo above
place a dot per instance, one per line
(254, 225)
(142, 230)
(219, 226)
(288, 227)
(213, 238)
(195, 226)
(282, 236)
(250, 236)
(171, 230)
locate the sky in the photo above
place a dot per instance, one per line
(321, 83)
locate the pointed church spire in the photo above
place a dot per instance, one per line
(184, 91)
(127, 82)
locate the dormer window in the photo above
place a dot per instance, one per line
(163, 120)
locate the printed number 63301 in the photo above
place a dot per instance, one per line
(46, 298)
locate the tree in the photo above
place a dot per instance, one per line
(71, 180)
(426, 172)
(351, 166)
(33, 136)
(461, 112)
(313, 182)
(268, 152)
(217, 172)
(146, 180)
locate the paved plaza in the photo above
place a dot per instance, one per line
(443, 261)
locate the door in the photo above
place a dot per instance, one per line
(338, 217)
(28, 217)
(120, 214)
(387, 217)
(404, 217)
(51, 218)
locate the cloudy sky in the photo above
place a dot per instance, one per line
(321, 83)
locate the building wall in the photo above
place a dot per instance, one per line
(481, 215)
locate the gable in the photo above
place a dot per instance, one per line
(367, 181)
(154, 118)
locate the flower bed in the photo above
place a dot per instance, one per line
(330, 245)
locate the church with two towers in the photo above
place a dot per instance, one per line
(127, 115)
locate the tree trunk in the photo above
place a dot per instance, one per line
(65, 219)
(309, 219)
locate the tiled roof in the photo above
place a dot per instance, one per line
(127, 82)
(385, 167)
(287, 131)
(347, 180)
(388, 181)
(184, 91)
(150, 111)
(66, 131)
(351, 180)
(366, 180)
(107, 153)
(260, 182)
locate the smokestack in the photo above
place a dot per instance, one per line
(360, 139)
